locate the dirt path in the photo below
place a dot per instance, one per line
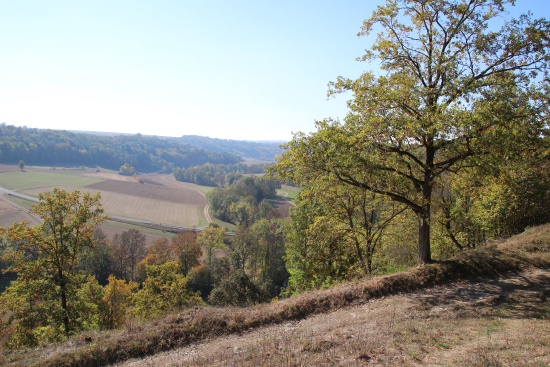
(503, 322)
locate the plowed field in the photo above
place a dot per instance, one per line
(156, 192)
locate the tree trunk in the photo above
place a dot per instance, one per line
(63, 286)
(424, 214)
(424, 250)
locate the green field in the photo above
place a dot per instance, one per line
(203, 189)
(288, 191)
(27, 180)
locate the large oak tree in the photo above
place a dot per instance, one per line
(457, 79)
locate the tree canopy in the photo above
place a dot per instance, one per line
(48, 290)
(453, 86)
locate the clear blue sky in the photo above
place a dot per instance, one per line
(247, 70)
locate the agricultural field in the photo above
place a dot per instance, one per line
(10, 213)
(17, 180)
(289, 192)
(158, 200)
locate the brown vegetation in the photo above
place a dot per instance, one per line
(529, 250)
(484, 323)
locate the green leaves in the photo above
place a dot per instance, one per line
(48, 293)
(453, 87)
(164, 290)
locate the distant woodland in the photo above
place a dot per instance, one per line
(63, 148)
(217, 174)
(261, 151)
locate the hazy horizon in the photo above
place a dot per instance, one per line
(242, 70)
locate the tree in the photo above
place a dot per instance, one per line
(21, 165)
(187, 250)
(164, 289)
(97, 260)
(452, 87)
(158, 253)
(128, 250)
(127, 170)
(356, 219)
(69, 219)
(266, 263)
(116, 299)
(237, 290)
(210, 239)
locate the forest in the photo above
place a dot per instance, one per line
(264, 151)
(217, 175)
(444, 149)
(63, 148)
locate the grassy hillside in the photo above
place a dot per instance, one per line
(530, 250)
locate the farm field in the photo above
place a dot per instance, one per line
(138, 207)
(160, 199)
(10, 214)
(156, 192)
(289, 192)
(35, 179)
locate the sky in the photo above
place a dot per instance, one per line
(240, 69)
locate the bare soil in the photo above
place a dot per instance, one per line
(502, 322)
(8, 168)
(152, 191)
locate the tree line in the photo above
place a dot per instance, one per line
(259, 151)
(63, 148)
(217, 175)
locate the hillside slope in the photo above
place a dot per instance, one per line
(502, 322)
(452, 319)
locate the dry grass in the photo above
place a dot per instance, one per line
(407, 330)
(457, 325)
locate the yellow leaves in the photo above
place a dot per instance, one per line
(116, 300)
(164, 289)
